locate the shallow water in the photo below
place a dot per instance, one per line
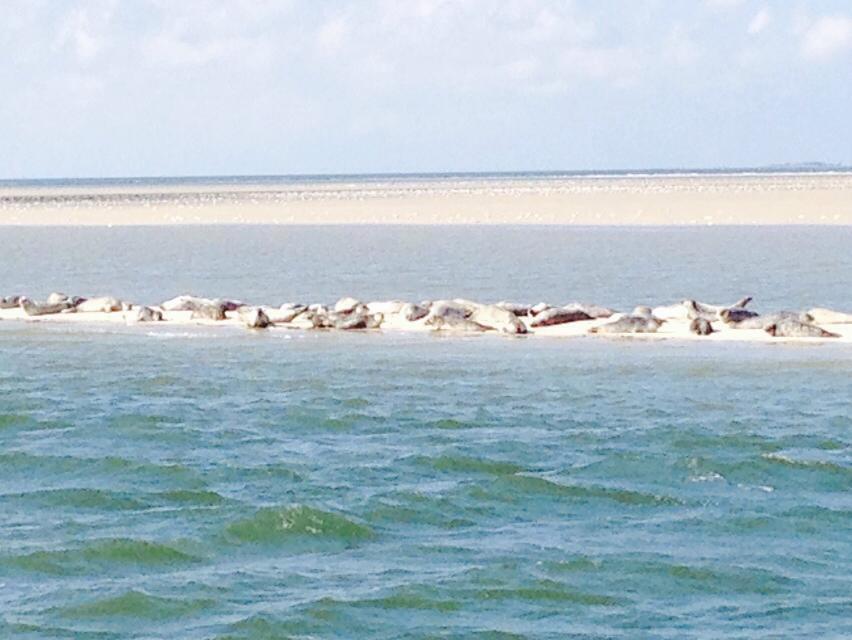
(782, 267)
(204, 483)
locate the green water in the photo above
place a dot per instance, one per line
(220, 484)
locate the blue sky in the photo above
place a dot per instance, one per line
(195, 87)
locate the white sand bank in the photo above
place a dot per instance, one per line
(789, 198)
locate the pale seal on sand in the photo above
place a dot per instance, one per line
(254, 318)
(829, 316)
(518, 309)
(558, 315)
(99, 305)
(447, 308)
(413, 312)
(192, 303)
(454, 323)
(491, 316)
(539, 307)
(346, 305)
(10, 302)
(594, 311)
(629, 324)
(762, 322)
(790, 328)
(386, 307)
(142, 314)
(287, 312)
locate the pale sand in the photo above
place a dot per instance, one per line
(779, 198)
(671, 329)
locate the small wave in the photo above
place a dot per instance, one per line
(548, 591)
(821, 465)
(101, 555)
(188, 496)
(525, 484)
(273, 525)
(80, 499)
(465, 464)
(137, 604)
(260, 627)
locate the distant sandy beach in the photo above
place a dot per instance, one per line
(683, 199)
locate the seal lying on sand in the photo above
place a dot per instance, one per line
(454, 323)
(35, 309)
(254, 317)
(790, 328)
(142, 314)
(558, 315)
(192, 303)
(690, 309)
(491, 316)
(701, 327)
(630, 324)
(761, 322)
(213, 311)
(413, 312)
(829, 316)
(10, 302)
(98, 305)
(594, 311)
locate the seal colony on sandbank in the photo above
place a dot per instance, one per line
(685, 319)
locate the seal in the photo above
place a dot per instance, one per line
(254, 317)
(821, 315)
(142, 314)
(35, 309)
(735, 314)
(99, 305)
(493, 317)
(629, 324)
(454, 323)
(211, 311)
(701, 327)
(762, 322)
(790, 328)
(346, 305)
(413, 312)
(10, 302)
(519, 310)
(594, 311)
(558, 315)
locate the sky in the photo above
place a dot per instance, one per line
(97, 88)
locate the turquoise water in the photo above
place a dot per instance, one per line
(215, 483)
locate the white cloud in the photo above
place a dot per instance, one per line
(759, 22)
(827, 37)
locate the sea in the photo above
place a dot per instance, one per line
(212, 483)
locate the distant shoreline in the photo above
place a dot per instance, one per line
(711, 197)
(296, 178)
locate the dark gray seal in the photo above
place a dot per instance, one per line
(701, 327)
(209, 312)
(559, 315)
(254, 318)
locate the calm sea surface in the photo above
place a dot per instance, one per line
(203, 483)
